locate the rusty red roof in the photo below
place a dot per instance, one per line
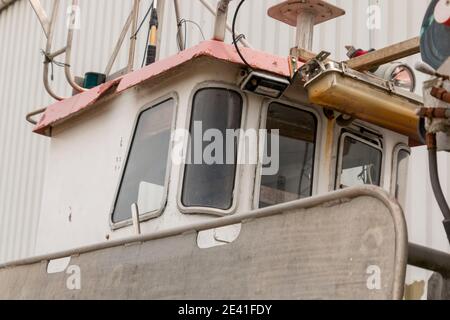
(64, 110)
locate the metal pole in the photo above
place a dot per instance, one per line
(429, 259)
(42, 16)
(136, 219)
(221, 20)
(211, 9)
(132, 50)
(5, 4)
(305, 30)
(67, 68)
(180, 35)
(48, 49)
(119, 43)
(160, 7)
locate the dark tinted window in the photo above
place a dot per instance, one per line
(205, 184)
(361, 163)
(144, 179)
(297, 138)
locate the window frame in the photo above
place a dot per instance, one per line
(394, 174)
(144, 217)
(318, 145)
(208, 210)
(367, 141)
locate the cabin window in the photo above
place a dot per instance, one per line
(360, 162)
(297, 130)
(145, 177)
(210, 173)
(400, 173)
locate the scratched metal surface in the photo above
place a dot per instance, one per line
(324, 252)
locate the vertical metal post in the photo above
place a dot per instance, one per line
(221, 20)
(160, 7)
(48, 48)
(67, 68)
(136, 218)
(180, 35)
(210, 8)
(119, 43)
(132, 50)
(42, 16)
(305, 30)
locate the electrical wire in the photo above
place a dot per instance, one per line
(143, 20)
(52, 61)
(185, 22)
(235, 42)
(239, 38)
(181, 46)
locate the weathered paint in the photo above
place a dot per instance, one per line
(358, 253)
(258, 60)
(87, 155)
(63, 110)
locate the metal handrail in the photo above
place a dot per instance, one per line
(48, 48)
(211, 9)
(429, 259)
(31, 115)
(48, 25)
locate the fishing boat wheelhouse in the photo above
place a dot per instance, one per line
(161, 185)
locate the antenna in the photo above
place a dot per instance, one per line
(304, 15)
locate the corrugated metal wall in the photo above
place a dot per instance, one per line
(23, 155)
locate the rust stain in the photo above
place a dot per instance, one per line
(64, 110)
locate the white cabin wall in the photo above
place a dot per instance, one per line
(23, 155)
(80, 189)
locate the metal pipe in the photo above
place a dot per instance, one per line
(160, 8)
(48, 49)
(30, 116)
(136, 219)
(435, 183)
(67, 68)
(434, 175)
(132, 50)
(429, 259)
(180, 35)
(42, 16)
(221, 20)
(5, 4)
(119, 44)
(211, 9)
(305, 30)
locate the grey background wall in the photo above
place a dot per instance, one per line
(23, 155)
